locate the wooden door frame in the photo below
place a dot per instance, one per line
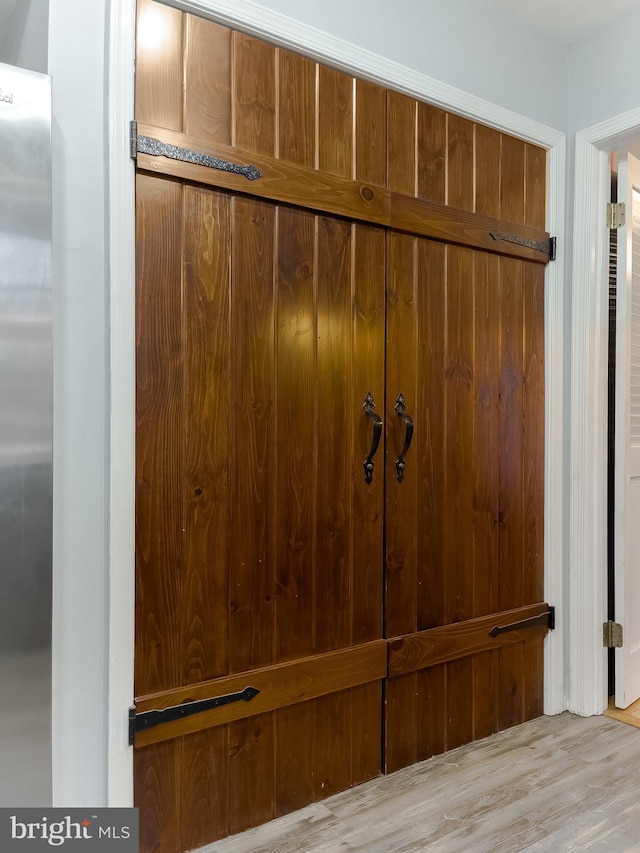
(285, 32)
(587, 543)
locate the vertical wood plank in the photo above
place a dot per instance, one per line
(294, 744)
(431, 711)
(207, 84)
(204, 789)
(459, 461)
(159, 434)
(204, 611)
(432, 153)
(335, 452)
(533, 457)
(533, 420)
(535, 185)
(296, 109)
(368, 282)
(157, 795)
(486, 694)
(459, 702)
(335, 122)
(460, 162)
(486, 433)
(512, 181)
(366, 728)
(401, 143)
(401, 722)
(511, 582)
(401, 528)
(251, 402)
(296, 396)
(511, 546)
(254, 95)
(487, 168)
(370, 133)
(332, 744)
(251, 776)
(159, 61)
(428, 451)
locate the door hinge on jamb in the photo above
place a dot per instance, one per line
(133, 140)
(612, 635)
(615, 215)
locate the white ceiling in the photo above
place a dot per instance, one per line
(565, 20)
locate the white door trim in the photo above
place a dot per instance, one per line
(283, 31)
(588, 411)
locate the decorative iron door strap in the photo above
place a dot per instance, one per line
(547, 247)
(149, 145)
(548, 618)
(151, 719)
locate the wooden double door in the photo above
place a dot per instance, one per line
(306, 620)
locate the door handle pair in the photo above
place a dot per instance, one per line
(401, 409)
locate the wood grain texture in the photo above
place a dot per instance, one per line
(461, 639)
(455, 226)
(430, 439)
(400, 498)
(460, 162)
(280, 686)
(207, 80)
(535, 185)
(486, 434)
(431, 153)
(535, 788)
(370, 133)
(401, 722)
(334, 543)
(251, 403)
(203, 795)
(296, 109)
(459, 459)
(254, 95)
(206, 437)
(156, 783)
(368, 336)
(487, 171)
(460, 702)
(512, 183)
(401, 143)
(251, 781)
(158, 82)
(296, 430)
(335, 122)
(280, 181)
(159, 426)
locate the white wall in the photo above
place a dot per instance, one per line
(464, 43)
(604, 73)
(25, 40)
(80, 296)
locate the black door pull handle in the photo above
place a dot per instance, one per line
(401, 409)
(369, 407)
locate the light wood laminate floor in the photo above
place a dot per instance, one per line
(554, 784)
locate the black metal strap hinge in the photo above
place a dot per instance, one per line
(148, 145)
(150, 719)
(548, 618)
(547, 247)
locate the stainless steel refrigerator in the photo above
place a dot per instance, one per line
(25, 437)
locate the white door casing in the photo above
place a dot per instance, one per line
(286, 32)
(627, 438)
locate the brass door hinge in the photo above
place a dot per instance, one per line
(612, 635)
(615, 214)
